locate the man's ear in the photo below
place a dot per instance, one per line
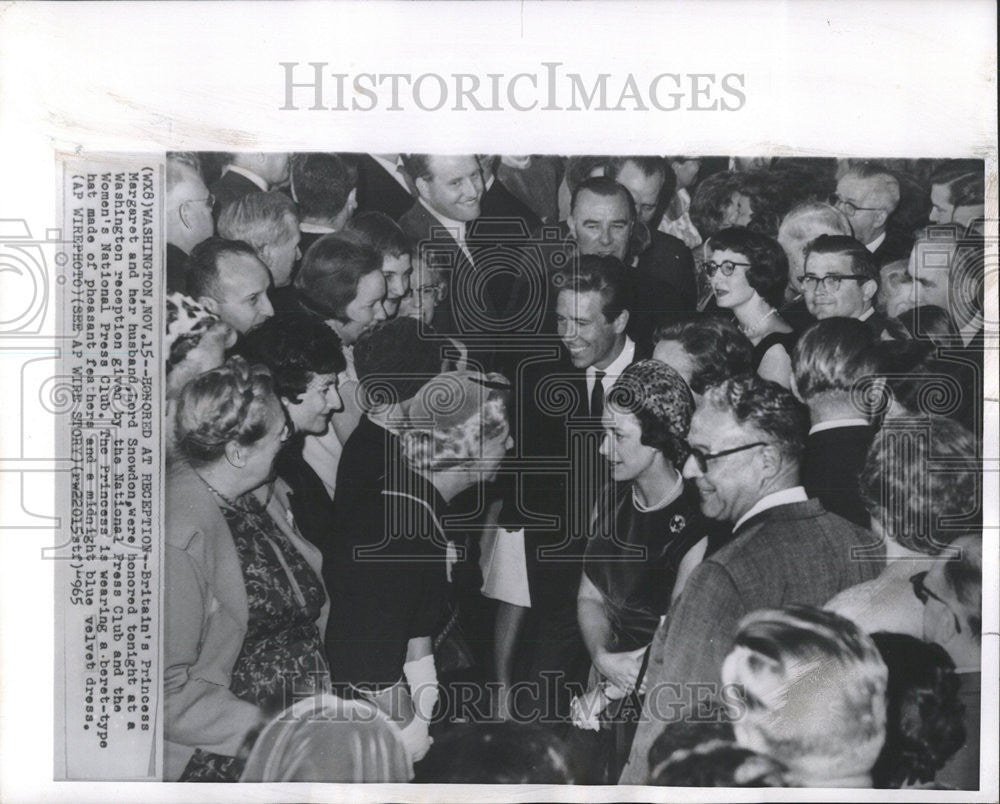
(880, 218)
(571, 223)
(868, 290)
(620, 322)
(421, 184)
(352, 201)
(771, 461)
(209, 304)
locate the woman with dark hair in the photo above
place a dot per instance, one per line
(245, 607)
(923, 711)
(641, 549)
(749, 272)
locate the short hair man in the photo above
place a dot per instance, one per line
(803, 224)
(449, 192)
(228, 279)
(382, 234)
(188, 215)
(814, 694)
(868, 194)
(269, 223)
(325, 190)
(603, 222)
(829, 364)
(650, 181)
(245, 173)
(841, 279)
(946, 270)
(958, 194)
(746, 442)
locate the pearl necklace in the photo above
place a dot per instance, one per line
(669, 497)
(752, 331)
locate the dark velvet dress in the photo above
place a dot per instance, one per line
(632, 558)
(282, 657)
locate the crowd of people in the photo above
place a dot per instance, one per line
(593, 470)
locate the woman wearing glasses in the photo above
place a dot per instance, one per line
(245, 606)
(749, 272)
(641, 549)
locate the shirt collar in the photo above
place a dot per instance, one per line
(876, 242)
(784, 497)
(615, 367)
(819, 427)
(246, 174)
(867, 314)
(315, 228)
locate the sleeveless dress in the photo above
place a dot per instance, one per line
(785, 339)
(282, 658)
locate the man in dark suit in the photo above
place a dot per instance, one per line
(868, 194)
(499, 202)
(450, 191)
(248, 173)
(798, 229)
(602, 222)
(383, 185)
(829, 361)
(324, 191)
(188, 215)
(841, 279)
(652, 183)
(561, 400)
(746, 439)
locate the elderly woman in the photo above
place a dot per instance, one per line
(811, 689)
(749, 273)
(920, 487)
(389, 579)
(245, 606)
(642, 541)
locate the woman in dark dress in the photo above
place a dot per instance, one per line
(245, 605)
(749, 272)
(646, 536)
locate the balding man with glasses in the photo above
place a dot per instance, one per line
(746, 441)
(868, 194)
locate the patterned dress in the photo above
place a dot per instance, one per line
(282, 657)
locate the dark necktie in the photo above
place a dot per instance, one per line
(597, 396)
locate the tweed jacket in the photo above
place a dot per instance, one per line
(793, 553)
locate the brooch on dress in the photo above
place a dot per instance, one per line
(677, 523)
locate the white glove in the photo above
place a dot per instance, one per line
(416, 739)
(421, 677)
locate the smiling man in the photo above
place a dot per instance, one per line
(228, 279)
(868, 194)
(746, 440)
(840, 279)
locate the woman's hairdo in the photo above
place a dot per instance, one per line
(452, 416)
(715, 346)
(661, 402)
(922, 483)
(768, 271)
(231, 403)
(295, 346)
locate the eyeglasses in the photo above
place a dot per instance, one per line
(726, 266)
(830, 282)
(702, 458)
(924, 594)
(849, 208)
